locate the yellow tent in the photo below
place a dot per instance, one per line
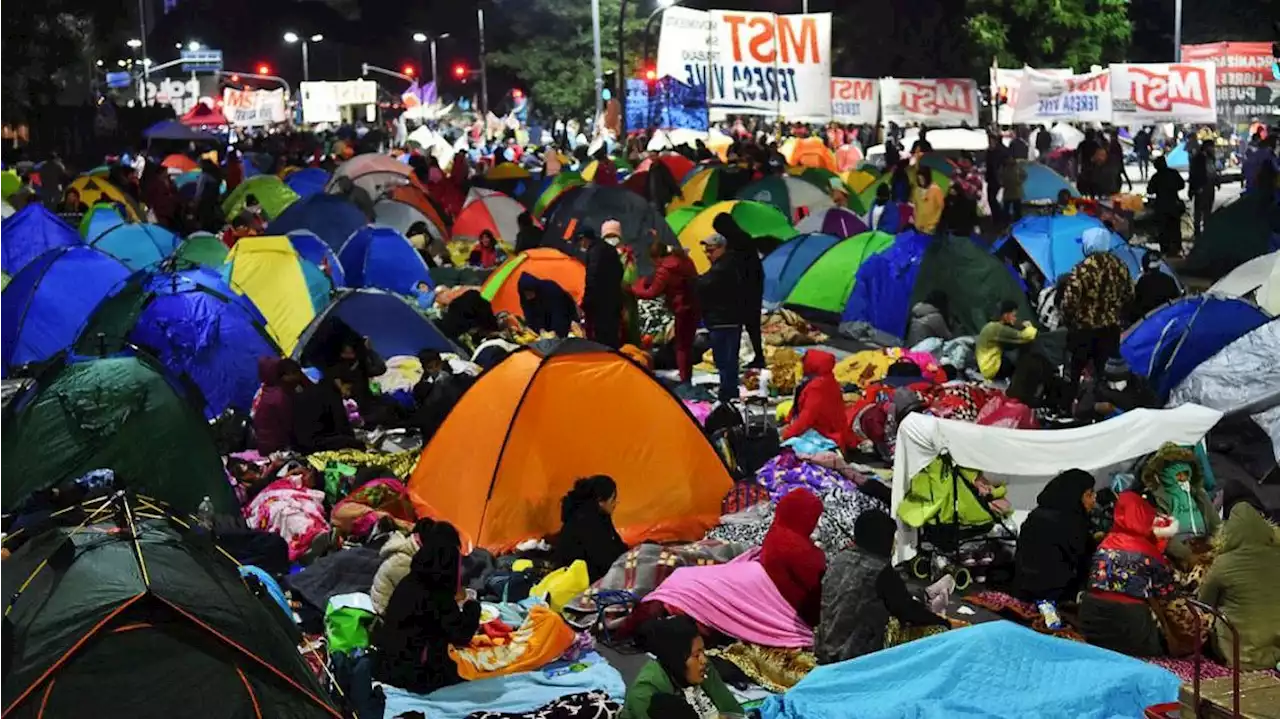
(94, 189)
(287, 289)
(859, 180)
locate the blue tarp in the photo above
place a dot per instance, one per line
(314, 250)
(784, 266)
(1178, 158)
(391, 324)
(137, 245)
(308, 181)
(1054, 244)
(45, 305)
(882, 292)
(992, 670)
(1171, 341)
(379, 256)
(329, 217)
(1043, 184)
(29, 233)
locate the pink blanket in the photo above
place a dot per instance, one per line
(737, 599)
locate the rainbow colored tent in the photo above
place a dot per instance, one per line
(692, 225)
(286, 288)
(827, 283)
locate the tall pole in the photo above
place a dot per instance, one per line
(595, 35)
(146, 69)
(1177, 30)
(805, 7)
(484, 77)
(622, 76)
(435, 69)
(306, 62)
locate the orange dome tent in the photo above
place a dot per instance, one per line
(544, 263)
(811, 152)
(550, 414)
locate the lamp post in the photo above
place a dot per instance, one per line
(134, 44)
(291, 38)
(420, 38)
(1177, 30)
(142, 45)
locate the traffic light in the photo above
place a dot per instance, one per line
(408, 70)
(264, 69)
(517, 94)
(460, 71)
(650, 74)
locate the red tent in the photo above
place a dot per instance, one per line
(202, 114)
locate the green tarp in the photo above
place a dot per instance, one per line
(829, 280)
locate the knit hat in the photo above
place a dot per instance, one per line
(1116, 368)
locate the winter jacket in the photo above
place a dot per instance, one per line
(588, 534)
(397, 554)
(653, 684)
(674, 280)
(1129, 565)
(790, 557)
(1244, 582)
(926, 321)
(550, 310)
(928, 202)
(819, 403)
(320, 421)
(744, 250)
(993, 339)
(273, 414)
(720, 294)
(436, 400)
(1011, 179)
(1097, 291)
(1135, 395)
(1054, 549)
(1163, 495)
(1154, 288)
(602, 297)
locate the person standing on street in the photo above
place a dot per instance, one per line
(1142, 148)
(995, 160)
(1204, 183)
(1095, 296)
(602, 297)
(719, 291)
(1044, 145)
(1164, 186)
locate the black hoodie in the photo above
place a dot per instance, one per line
(1054, 545)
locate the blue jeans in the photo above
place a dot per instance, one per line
(725, 343)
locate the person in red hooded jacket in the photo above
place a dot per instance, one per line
(673, 279)
(791, 559)
(1129, 582)
(819, 403)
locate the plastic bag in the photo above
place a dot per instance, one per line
(563, 585)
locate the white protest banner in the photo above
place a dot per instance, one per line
(1008, 82)
(686, 45)
(249, 108)
(1046, 98)
(855, 100)
(1164, 92)
(942, 102)
(319, 102)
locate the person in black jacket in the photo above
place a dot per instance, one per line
(745, 251)
(423, 618)
(437, 393)
(587, 531)
(529, 237)
(320, 420)
(1054, 546)
(1154, 288)
(546, 306)
(720, 295)
(602, 297)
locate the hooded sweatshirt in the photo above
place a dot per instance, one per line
(819, 403)
(1129, 566)
(926, 321)
(1189, 503)
(1053, 545)
(1244, 582)
(789, 556)
(551, 309)
(1097, 291)
(273, 414)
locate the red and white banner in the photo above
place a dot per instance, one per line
(249, 108)
(855, 100)
(945, 101)
(1009, 81)
(1047, 97)
(1245, 87)
(1164, 92)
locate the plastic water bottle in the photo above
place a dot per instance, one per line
(765, 378)
(204, 513)
(1050, 614)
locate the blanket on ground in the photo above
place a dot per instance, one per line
(398, 464)
(1042, 676)
(343, 572)
(841, 508)
(523, 692)
(539, 640)
(587, 705)
(773, 668)
(290, 510)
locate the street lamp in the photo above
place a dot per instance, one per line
(422, 37)
(194, 45)
(292, 37)
(134, 43)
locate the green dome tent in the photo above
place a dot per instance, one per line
(1233, 235)
(118, 413)
(272, 194)
(201, 248)
(826, 285)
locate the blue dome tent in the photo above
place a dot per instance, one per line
(45, 305)
(1173, 339)
(101, 217)
(381, 257)
(1054, 244)
(308, 181)
(195, 326)
(139, 246)
(784, 266)
(1043, 184)
(29, 233)
(392, 325)
(329, 217)
(314, 250)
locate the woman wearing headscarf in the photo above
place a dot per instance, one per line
(272, 413)
(819, 404)
(423, 618)
(587, 530)
(789, 556)
(679, 682)
(546, 306)
(1054, 549)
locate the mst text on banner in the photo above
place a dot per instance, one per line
(1047, 97)
(1163, 92)
(855, 100)
(945, 101)
(249, 108)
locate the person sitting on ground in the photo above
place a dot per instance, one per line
(679, 682)
(1155, 287)
(320, 419)
(1000, 336)
(272, 413)
(397, 556)
(1054, 544)
(1244, 582)
(929, 319)
(423, 296)
(587, 531)
(791, 559)
(861, 591)
(1128, 582)
(819, 404)
(423, 618)
(486, 254)
(437, 393)
(1116, 392)
(546, 306)
(1173, 481)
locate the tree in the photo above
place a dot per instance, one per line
(1048, 33)
(47, 56)
(550, 49)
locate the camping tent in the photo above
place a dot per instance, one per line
(836, 221)
(377, 256)
(556, 187)
(420, 207)
(784, 266)
(286, 288)
(587, 208)
(1258, 279)
(100, 218)
(27, 234)
(95, 189)
(1043, 184)
(202, 115)
(1235, 233)
(329, 217)
(693, 224)
(45, 304)
(164, 619)
(1173, 339)
(307, 181)
(194, 326)
(499, 464)
(314, 250)
(270, 191)
(1028, 459)
(501, 289)
(808, 152)
(372, 172)
(494, 212)
(867, 197)
(826, 284)
(200, 248)
(792, 196)
(391, 324)
(138, 246)
(121, 413)
(1053, 242)
(710, 184)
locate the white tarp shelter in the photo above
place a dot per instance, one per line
(1025, 460)
(1257, 279)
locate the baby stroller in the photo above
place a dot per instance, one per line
(959, 519)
